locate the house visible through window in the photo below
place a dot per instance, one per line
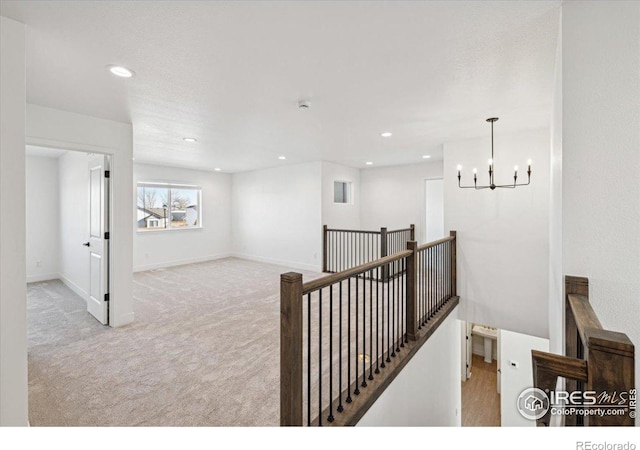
(168, 206)
(341, 192)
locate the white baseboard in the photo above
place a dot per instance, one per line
(74, 287)
(279, 262)
(180, 262)
(120, 321)
(42, 277)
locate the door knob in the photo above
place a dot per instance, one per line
(87, 244)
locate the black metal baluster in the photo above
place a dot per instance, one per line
(393, 313)
(440, 267)
(308, 359)
(330, 417)
(422, 280)
(419, 289)
(388, 282)
(348, 399)
(440, 277)
(357, 389)
(383, 347)
(361, 250)
(340, 407)
(339, 255)
(398, 336)
(378, 320)
(404, 302)
(320, 358)
(430, 282)
(364, 329)
(371, 324)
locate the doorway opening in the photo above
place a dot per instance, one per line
(67, 233)
(496, 369)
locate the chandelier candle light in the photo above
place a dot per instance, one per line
(491, 184)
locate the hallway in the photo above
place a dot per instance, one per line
(480, 398)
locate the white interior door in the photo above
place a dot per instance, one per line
(98, 244)
(434, 206)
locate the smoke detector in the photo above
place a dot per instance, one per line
(304, 104)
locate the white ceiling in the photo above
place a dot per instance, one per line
(231, 74)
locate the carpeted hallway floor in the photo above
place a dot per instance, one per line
(204, 350)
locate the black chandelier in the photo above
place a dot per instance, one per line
(491, 184)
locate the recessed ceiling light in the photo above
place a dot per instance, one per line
(369, 163)
(189, 139)
(217, 169)
(121, 71)
(386, 134)
(426, 156)
(282, 157)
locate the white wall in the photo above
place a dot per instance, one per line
(73, 176)
(427, 392)
(516, 348)
(556, 283)
(337, 215)
(601, 157)
(43, 217)
(13, 309)
(277, 215)
(167, 248)
(48, 127)
(434, 210)
(503, 235)
(394, 197)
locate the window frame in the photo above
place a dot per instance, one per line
(169, 187)
(349, 185)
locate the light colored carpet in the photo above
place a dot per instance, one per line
(204, 350)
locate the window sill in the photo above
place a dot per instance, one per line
(168, 230)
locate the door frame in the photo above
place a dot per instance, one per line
(111, 153)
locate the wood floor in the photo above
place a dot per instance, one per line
(480, 398)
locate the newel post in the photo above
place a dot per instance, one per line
(454, 273)
(412, 292)
(324, 248)
(291, 349)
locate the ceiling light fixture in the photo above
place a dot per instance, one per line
(121, 71)
(426, 156)
(282, 157)
(386, 134)
(492, 184)
(217, 169)
(369, 163)
(189, 139)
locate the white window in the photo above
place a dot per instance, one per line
(342, 192)
(164, 206)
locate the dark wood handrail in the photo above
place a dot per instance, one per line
(559, 365)
(595, 359)
(327, 281)
(435, 243)
(584, 314)
(368, 231)
(399, 231)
